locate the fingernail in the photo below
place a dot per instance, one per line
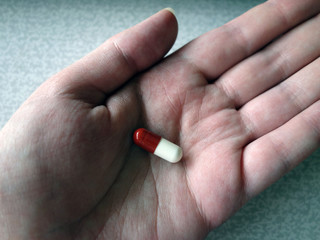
(170, 10)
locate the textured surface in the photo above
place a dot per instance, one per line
(38, 38)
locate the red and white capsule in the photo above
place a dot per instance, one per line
(157, 145)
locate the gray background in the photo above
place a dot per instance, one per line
(39, 38)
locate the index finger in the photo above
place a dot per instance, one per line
(218, 50)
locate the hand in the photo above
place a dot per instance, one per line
(70, 169)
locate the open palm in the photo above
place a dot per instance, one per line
(241, 115)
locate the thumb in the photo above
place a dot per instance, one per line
(119, 58)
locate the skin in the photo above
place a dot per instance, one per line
(243, 101)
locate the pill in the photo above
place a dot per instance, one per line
(157, 145)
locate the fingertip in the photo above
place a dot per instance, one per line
(168, 15)
(159, 34)
(171, 10)
(170, 25)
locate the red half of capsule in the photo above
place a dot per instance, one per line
(146, 139)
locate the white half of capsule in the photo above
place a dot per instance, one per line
(168, 151)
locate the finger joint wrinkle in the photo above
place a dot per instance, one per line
(127, 59)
